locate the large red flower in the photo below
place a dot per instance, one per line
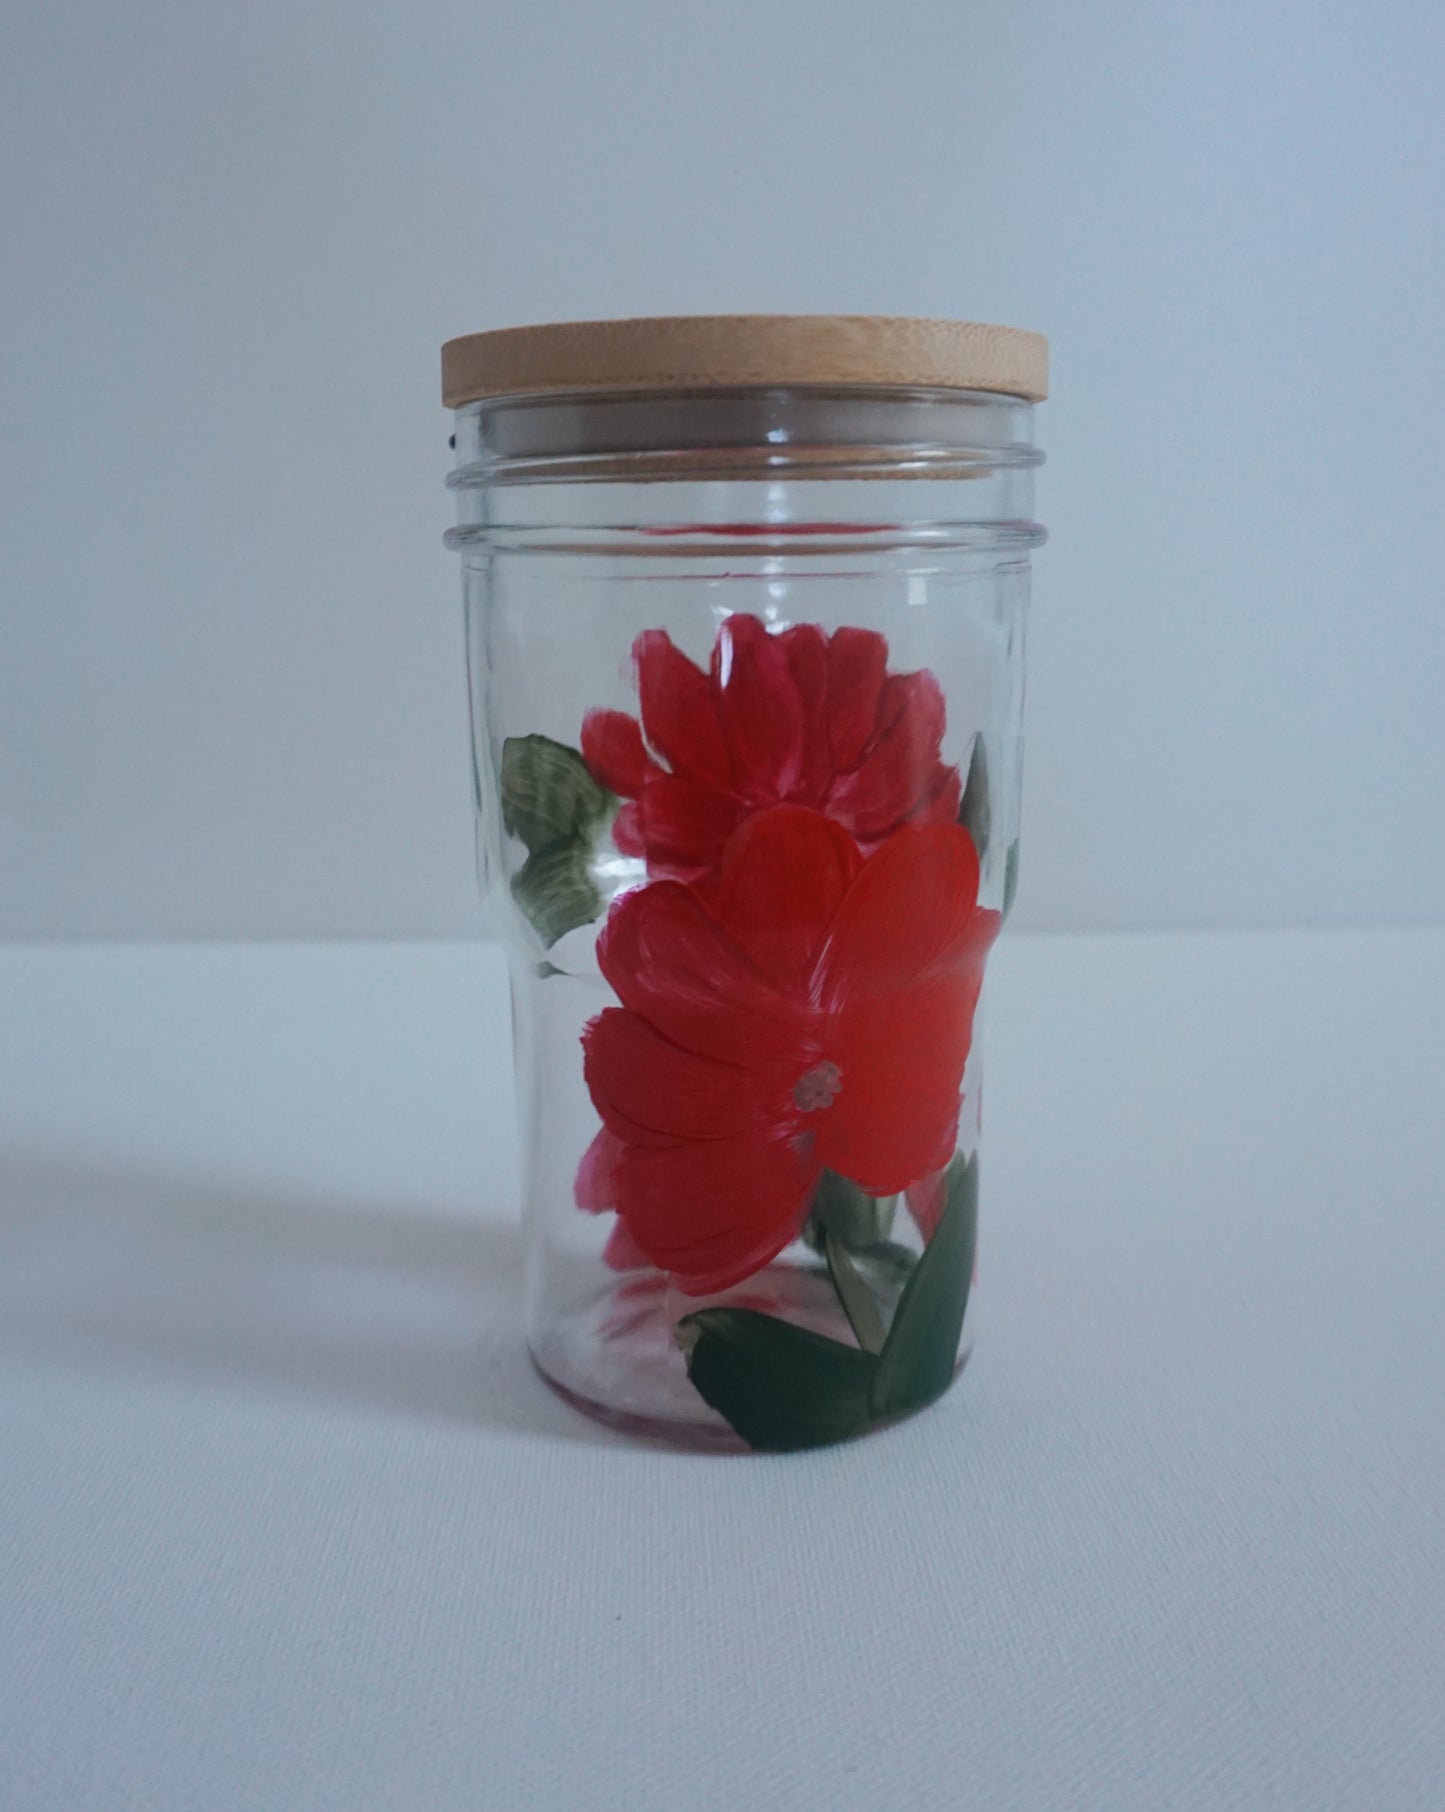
(800, 717)
(817, 1014)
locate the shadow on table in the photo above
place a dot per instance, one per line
(410, 1311)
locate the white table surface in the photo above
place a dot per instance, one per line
(286, 1521)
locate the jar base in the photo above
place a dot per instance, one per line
(693, 1437)
(614, 1357)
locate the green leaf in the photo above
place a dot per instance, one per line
(916, 1364)
(853, 1218)
(974, 811)
(1010, 876)
(855, 1296)
(781, 1387)
(547, 794)
(554, 806)
(555, 891)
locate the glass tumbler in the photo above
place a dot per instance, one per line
(745, 602)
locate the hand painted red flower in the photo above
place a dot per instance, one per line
(800, 718)
(818, 1015)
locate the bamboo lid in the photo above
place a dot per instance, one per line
(740, 352)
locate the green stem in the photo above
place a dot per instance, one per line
(855, 1296)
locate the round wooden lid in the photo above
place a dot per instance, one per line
(742, 352)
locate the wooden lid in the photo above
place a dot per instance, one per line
(740, 352)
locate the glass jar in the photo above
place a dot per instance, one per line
(745, 603)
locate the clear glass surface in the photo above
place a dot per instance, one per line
(747, 679)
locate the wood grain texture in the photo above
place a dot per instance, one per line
(715, 352)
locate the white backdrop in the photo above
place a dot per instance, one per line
(231, 690)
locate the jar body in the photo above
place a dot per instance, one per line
(747, 730)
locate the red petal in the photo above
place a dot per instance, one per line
(857, 662)
(596, 1188)
(807, 651)
(713, 1214)
(612, 748)
(684, 824)
(901, 1062)
(912, 903)
(784, 875)
(944, 797)
(627, 830)
(762, 715)
(651, 1093)
(969, 951)
(926, 1201)
(914, 700)
(670, 961)
(897, 774)
(679, 712)
(622, 1252)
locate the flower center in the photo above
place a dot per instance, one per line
(818, 1087)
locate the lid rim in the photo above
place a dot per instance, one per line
(656, 354)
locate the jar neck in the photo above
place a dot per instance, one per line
(925, 464)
